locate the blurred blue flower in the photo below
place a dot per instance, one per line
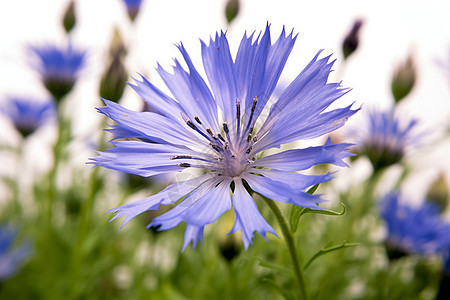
(385, 139)
(213, 129)
(11, 259)
(414, 229)
(133, 7)
(27, 114)
(59, 67)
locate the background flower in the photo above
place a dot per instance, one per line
(27, 114)
(413, 230)
(58, 66)
(10, 258)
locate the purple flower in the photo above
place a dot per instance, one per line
(59, 67)
(222, 129)
(414, 229)
(27, 114)
(386, 139)
(133, 7)
(11, 259)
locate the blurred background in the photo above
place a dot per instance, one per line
(67, 246)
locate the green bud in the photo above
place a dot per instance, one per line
(438, 193)
(69, 18)
(231, 10)
(113, 79)
(404, 79)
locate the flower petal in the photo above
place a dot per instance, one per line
(302, 159)
(167, 196)
(248, 218)
(282, 192)
(193, 233)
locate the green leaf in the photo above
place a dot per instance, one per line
(324, 211)
(328, 250)
(275, 267)
(296, 211)
(280, 290)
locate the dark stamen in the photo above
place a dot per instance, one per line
(184, 165)
(249, 150)
(220, 137)
(197, 119)
(225, 127)
(254, 103)
(187, 120)
(215, 147)
(208, 130)
(181, 157)
(249, 137)
(238, 108)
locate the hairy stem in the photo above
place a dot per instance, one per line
(290, 245)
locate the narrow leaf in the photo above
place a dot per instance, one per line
(275, 267)
(297, 212)
(328, 250)
(324, 211)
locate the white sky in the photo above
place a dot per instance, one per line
(392, 29)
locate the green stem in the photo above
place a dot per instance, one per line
(84, 224)
(290, 244)
(62, 139)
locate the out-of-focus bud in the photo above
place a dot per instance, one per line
(231, 10)
(113, 79)
(133, 7)
(438, 193)
(351, 41)
(117, 44)
(69, 19)
(404, 79)
(229, 248)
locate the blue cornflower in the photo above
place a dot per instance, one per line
(27, 114)
(385, 139)
(414, 229)
(11, 259)
(213, 129)
(133, 7)
(59, 67)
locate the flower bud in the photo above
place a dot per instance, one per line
(69, 18)
(231, 10)
(438, 193)
(403, 79)
(351, 41)
(114, 78)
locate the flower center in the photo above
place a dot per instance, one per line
(232, 148)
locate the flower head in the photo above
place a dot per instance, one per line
(414, 229)
(27, 114)
(58, 67)
(133, 7)
(385, 140)
(222, 130)
(11, 259)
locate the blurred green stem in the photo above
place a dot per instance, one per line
(290, 245)
(62, 139)
(84, 222)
